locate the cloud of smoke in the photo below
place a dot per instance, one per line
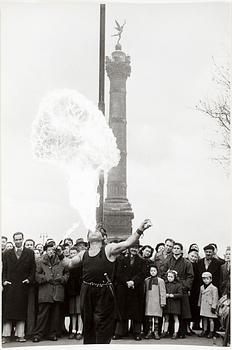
(70, 131)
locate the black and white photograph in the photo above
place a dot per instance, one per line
(115, 173)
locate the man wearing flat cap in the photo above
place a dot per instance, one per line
(210, 264)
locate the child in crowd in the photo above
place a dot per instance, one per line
(155, 294)
(173, 303)
(208, 299)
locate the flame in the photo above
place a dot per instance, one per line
(70, 131)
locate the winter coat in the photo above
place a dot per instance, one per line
(208, 299)
(73, 286)
(15, 295)
(160, 259)
(224, 281)
(184, 269)
(154, 297)
(130, 301)
(51, 276)
(148, 263)
(194, 294)
(214, 267)
(173, 305)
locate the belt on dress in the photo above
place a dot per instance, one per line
(93, 284)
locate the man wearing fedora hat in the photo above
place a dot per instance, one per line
(97, 299)
(81, 244)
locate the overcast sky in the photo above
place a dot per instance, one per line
(171, 177)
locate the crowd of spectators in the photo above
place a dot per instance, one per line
(159, 292)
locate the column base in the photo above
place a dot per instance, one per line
(118, 218)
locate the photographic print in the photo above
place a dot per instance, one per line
(115, 154)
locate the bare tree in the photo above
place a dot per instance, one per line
(219, 110)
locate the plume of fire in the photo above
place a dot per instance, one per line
(71, 132)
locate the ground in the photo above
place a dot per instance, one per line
(190, 340)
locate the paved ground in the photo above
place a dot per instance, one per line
(190, 340)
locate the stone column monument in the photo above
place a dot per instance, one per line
(118, 214)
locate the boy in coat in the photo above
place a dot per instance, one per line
(208, 299)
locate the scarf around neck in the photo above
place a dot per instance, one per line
(152, 280)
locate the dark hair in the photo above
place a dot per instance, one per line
(159, 245)
(65, 245)
(100, 228)
(179, 244)
(5, 237)
(153, 265)
(147, 246)
(169, 239)
(68, 239)
(190, 247)
(29, 240)
(193, 250)
(74, 248)
(18, 233)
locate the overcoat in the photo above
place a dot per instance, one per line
(154, 298)
(15, 270)
(160, 259)
(208, 299)
(194, 294)
(73, 286)
(51, 275)
(130, 301)
(185, 274)
(173, 305)
(224, 281)
(214, 268)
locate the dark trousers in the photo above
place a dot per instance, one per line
(97, 312)
(48, 319)
(122, 328)
(32, 310)
(145, 325)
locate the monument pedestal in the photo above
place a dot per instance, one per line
(118, 213)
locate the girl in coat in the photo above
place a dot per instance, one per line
(155, 300)
(173, 302)
(208, 299)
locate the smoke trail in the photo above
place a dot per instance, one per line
(70, 131)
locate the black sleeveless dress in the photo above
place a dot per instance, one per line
(97, 301)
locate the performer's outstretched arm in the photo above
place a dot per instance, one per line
(116, 248)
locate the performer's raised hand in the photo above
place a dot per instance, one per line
(145, 225)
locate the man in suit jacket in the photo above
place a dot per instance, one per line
(17, 274)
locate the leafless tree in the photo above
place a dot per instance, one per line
(219, 110)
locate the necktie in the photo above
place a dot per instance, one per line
(18, 252)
